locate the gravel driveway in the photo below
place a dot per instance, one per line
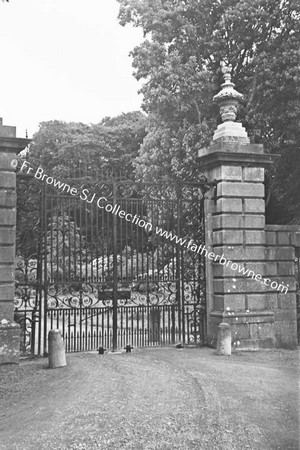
(163, 398)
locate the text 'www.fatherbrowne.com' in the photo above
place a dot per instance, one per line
(200, 249)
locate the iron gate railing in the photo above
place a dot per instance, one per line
(96, 266)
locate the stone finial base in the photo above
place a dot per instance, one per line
(231, 131)
(9, 342)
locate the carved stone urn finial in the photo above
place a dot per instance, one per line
(228, 98)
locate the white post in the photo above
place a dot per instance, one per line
(224, 339)
(57, 355)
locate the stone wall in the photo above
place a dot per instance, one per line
(281, 241)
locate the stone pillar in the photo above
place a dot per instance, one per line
(236, 225)
(10, 146)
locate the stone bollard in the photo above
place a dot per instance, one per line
(57, 355)
(224, 339)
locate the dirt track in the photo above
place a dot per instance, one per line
(153, 399)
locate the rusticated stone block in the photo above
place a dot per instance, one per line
(254, 221)
(227, 173)
(252, 330)
(7, 179)
(7, 131)
(235, 302)
(229, 205)
(257, 301)
(7, 217)
(7, 198)
(256, 344)
(282, 315)
(295, 239)
(219, 303)
(9, 342)
(7, 273)
(240, 331)
(287, 301)
(241, 253)
(7, 291)
(5, 161)
(7, 255)
(262, 331)
(254, 237)
(252, 205)
(286, 268)
(263, 268)
(276, 284)
(234, 221)
(271, 300)
(226, 221)
(286, 334)
(7, 235)
(239, 285)
(238, 189)
(7, 310)
(283, 238)
(280, 253)
(220, 271)
(253, 174)
(227, 237)
(271, 238)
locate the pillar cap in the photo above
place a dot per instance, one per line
(221, 158)
(15, 145)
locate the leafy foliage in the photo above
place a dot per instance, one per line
(185, 41)
(59, 147)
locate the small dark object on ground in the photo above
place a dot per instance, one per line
(179, 345)
(101, 350)
(128, 348)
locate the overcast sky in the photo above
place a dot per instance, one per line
(66, 60)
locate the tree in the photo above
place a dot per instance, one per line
(185, 41)
(71, 152)
(60, 147)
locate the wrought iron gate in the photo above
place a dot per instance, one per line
(110, 262)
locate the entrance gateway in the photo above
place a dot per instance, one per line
(103, 277)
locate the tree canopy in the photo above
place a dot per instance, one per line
(179, 60)
(113, 143)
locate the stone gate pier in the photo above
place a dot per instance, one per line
(10, 146)
(259, 315)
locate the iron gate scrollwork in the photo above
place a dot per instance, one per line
(104, 273)
(28, 265)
